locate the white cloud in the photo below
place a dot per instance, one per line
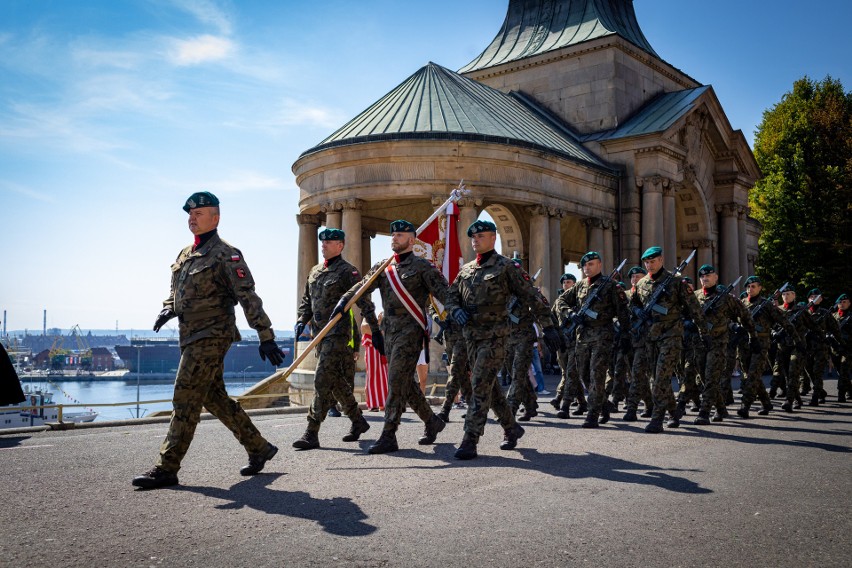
(207, 13)
(26, 191)
(200, 49)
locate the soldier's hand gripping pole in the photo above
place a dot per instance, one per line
(455, 195)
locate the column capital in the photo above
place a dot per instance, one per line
(464, 202)
(556, 212)
(307, 219)
(350, 204)
(593, 222)
(368, 234)
(653, 184)
(536, 210)
(731, 209)
(331, 206)
(697, 244)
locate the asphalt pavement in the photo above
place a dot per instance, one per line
(773, 491)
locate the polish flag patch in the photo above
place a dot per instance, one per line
(235, 258)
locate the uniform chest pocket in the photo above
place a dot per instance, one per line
(200, 267)
(490, 276)
(331, 281)
(409, 274)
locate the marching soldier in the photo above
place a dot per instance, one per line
(458, 370)
(570, 388)
(209, 278)
(842, 352)
(792, 349)
(640, 386)
(405, 286)
(818, 345)
(335, 371)
(664, 331)
(720, 309)
(519, 355)
(479, 298)
(594, 337)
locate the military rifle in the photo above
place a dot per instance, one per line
(578, 318)
(711, 305)
(514, 302)
(645, 314)
(764, 302)
(782, 335)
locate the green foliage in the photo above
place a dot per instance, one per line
(804, 201)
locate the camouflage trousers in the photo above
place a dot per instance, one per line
(816, 364)
(459, 372)
(617, 376)
(663, 357)
(334, 381)
(199, 382)
(844, 374)
(689, 377)
(726, 389)
(570, 387)
(519, 358)
(753, 366)
(486, 357)
(640, 385)
(789, 365)
(402, 348)
(593, 359)
(711, 364)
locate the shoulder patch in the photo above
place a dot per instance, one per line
(241, 273)
(235, 258)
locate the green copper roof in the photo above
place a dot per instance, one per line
(533, 27)
(656, 116)
(437, 104)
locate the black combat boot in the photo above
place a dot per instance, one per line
(629, 415)
(655, 426)
(156, 478)
(511, 437)
(841, 397)
(356, 430)
(806, 388)
(681, 407)
(787, 406)
(334, 412)
(717, 417)
(591, 421)
(674, 421)
(773, 391)
(581, 409)
(648, 412)
(257, 461)
(444, 415)
(467, 449)
(604, 414)
(742, 412)
(385, 444)
(529, 413)
(430, 432)
(766, 408)
(556, 402)
(611, 406)
(722, 412)
(822, 394)
(565, 410)
(797, 404)
(308, 441)
(703, 418)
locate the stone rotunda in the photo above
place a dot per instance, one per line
(572, 133)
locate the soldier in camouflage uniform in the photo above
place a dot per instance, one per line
(594, 336)
(755, 362)
(792, 349)
(720, 309)
(335, 372)
(688, 376)
(519, 354)
(664, 333)
(479, 298)
(617, 376)
(208, 279)
(818, 345)
(639, 387)
(842, 349)
(458, 373)
(570, 388)
(405, 336)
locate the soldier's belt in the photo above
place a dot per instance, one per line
(476, 309)
(204, 314)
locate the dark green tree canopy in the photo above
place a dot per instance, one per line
(803, 146)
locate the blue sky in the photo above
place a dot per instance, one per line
(113, 112)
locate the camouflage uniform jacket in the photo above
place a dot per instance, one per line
(419, 276)
(325, 286)
(769, 316)
(844, 326)
(802, 324)
(560, 317)
(610, 303)
(726, 310)
(677, 299)
(827, 326)
(522, 318)
(484, 292)
(206, 285)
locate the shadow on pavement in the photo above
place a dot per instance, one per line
(12, 441)
(765, 441)
(338, 515)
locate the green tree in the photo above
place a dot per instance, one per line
(804, 201)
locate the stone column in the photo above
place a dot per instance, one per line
(557, 266)
(670, 224)
(730, 241)
(752, 261)
(652, 213)
(351, 221)
(308, 254)
(468, 213)
(742, 212)
(332, 215)
(607, 250)
(594, 234)
(366, 262)
(540, 244)
(703, 256)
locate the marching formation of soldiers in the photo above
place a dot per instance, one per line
(616, 344)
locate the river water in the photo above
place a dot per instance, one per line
(101, 392)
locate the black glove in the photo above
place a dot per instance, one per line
(378, 341)
(300, 327)
(553, 340)
(164, 316)
(461, 316)
(338, 309)
(754, 345)
(271, 350)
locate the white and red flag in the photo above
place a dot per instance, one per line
(439, 242)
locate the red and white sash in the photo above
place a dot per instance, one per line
(404, 296)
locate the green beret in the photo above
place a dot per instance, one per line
(652, 252)
(330, 234)
(752, 280)
(814, 292)
(480, 226)
(591, 255)
(571, 277)
(840, 298)
(200, 199)
(636, 270)
(706, 269)
(402, 226)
